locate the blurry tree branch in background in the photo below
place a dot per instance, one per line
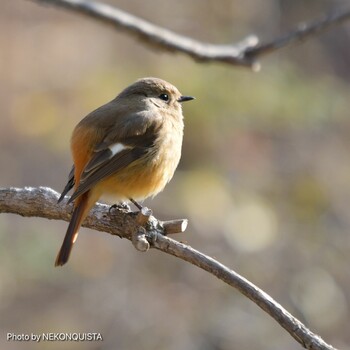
(244, 53)
(42, 202)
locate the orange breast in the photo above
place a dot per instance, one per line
(143, 178)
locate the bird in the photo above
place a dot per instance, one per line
(128, 150)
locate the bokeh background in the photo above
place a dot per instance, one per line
(264, 179)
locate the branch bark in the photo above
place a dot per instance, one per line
(42, 202)
(244, 53)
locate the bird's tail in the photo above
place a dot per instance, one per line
(81, 208)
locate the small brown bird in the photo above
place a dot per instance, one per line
(128, 149)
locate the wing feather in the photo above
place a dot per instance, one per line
(107, 168)
(108, 159)
(69, 185)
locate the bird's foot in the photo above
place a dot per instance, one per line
(136, 204)
(119, 206)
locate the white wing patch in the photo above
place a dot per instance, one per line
(116, 148)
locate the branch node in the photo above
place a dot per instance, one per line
(143, 216)
(249, 42)
(174, 226)
(139, 240)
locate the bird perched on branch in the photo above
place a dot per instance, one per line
(128, 150)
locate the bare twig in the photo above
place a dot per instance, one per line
(42, 202)
(302, 32)
(244, 53)
(156, 36)
(174, 226)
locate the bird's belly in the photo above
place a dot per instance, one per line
(143, 178)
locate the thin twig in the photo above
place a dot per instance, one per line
(42, 202)
(300, 33)
(174, 226)
(244, 53)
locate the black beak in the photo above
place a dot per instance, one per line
(185, 98)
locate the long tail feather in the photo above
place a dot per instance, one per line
(79, 213)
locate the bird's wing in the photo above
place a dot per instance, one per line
(69, 185)
(116, 152)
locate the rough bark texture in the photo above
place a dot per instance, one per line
(120, 221)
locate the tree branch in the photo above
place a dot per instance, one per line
(244, 53)
(300, 33)
(42, 202)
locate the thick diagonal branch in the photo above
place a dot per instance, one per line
(243, 53)
(42, 202)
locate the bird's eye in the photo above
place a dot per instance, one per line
(164, 97)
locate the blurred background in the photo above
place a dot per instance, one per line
(264, 179)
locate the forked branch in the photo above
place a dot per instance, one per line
(243, 53)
